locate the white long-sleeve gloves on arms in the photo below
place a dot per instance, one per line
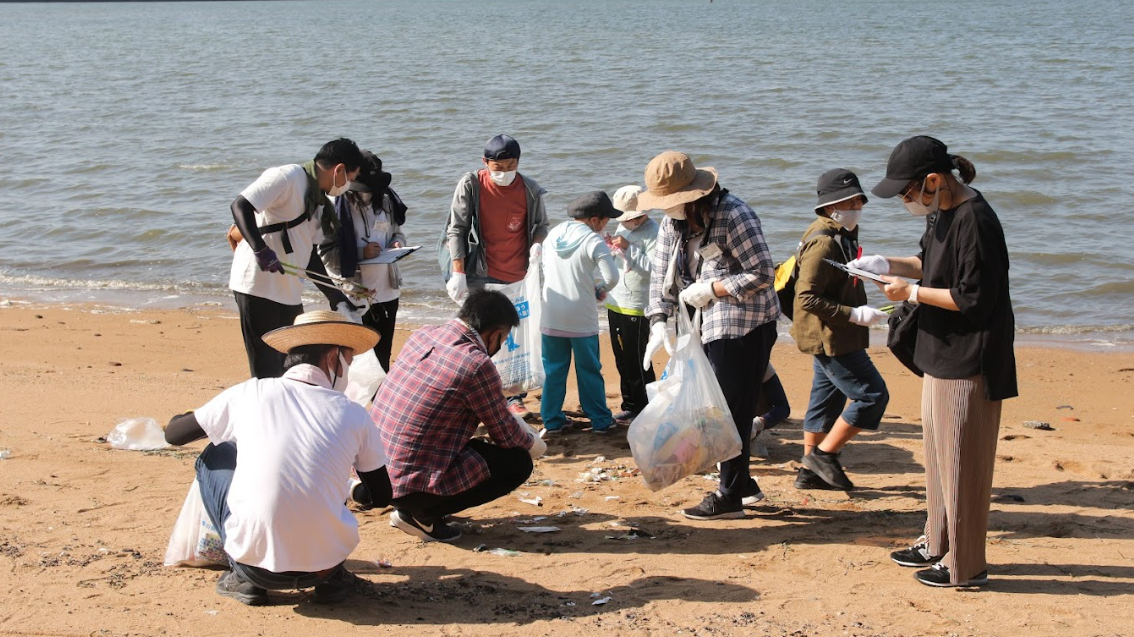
(698, 294)
(458, 287)
(661, 335)
(875, 264)
(539, 447)
(866, 316)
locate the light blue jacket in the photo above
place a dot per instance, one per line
(576, 262)
(632, 293)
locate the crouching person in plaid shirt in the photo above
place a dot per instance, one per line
(441, 387)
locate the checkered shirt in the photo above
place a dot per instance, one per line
(744, 266)
(441, 387)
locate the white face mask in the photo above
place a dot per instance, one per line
(335, 191)
(339, 383)
(847, 218)
(918, 209)
(502, 177)
(676, 212)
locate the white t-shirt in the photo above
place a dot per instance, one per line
(375, 227)
(277, 197)
(295, 443)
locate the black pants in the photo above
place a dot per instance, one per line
(629, 336)
(258, 316)
(509, 468)
(382, 317)
(740, 364)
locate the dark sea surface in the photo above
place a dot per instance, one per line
(126, 129)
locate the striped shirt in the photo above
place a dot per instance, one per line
(441, 387)
(733, 251)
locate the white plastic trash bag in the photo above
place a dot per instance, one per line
(137, 434)
(687, 427)
(366, 375)
(520, 359)
(194, 541)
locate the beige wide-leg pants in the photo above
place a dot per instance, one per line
(960, 431)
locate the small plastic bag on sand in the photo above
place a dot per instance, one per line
(520, 359)
(194, 541)
(366, 376)
(137, 434)
(687, 427)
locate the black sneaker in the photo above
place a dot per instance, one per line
(432, 531)
(826, 466)
(336, 588)
(916, 555)
(938, 575)
(360, 494)
(752, 494)
(624, 418)
(232, 585)
(714, 507)
(806, 479)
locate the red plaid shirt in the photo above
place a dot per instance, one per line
(442, 386)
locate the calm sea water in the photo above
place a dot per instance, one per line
(127, 129)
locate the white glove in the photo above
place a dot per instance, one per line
(698, 294)
(867, 316)
(458, 287)
(660, 336)
(536, 252)
(875, 264)
(539, 447)
(351, 315)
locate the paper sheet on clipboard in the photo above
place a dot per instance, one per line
(389, 255)
(862, 274)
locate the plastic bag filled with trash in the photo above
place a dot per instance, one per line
(366, 376)
(194, 541)
(687, 427)
(520, 359)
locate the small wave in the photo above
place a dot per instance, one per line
(32, 282)
(1077, 329)
(206, 168)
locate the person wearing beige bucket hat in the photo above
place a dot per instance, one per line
(633, 245)
(279, 505)
(711, 256)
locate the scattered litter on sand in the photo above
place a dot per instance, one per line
(1038, 424)
(505, 552)
(536, 501)
(539, 529)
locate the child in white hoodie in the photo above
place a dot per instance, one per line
(578, 270)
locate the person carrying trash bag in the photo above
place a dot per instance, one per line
(711, 254)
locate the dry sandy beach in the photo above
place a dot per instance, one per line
(83, 528)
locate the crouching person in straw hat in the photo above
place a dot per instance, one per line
(711, 255)
(279, 504)
(441, 386)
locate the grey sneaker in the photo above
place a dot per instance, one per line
(826, 466)
(232, 585)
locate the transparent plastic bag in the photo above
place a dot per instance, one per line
(687, 427)
(366, 376)
(194, 541)
(137, 434)
(520, 359)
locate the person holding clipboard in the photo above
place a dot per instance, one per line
(370, 221)
(831, 322)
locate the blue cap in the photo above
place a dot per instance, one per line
(502, 147)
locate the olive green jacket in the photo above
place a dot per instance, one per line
(825, 295)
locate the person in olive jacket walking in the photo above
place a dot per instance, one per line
(831, 321)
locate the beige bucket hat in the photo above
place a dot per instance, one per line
(322, 327)
(672, 179)
(626, 202)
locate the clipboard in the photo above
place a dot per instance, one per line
(390, 255)
(862, 274)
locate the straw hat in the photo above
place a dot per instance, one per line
(322, 327)
(626, 202)
(672, 179)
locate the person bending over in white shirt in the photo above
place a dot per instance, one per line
(279, 504)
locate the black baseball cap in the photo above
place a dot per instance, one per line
(371, 178)
(592, 204)
(837, 185)
(502, 147)
(912, 159)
